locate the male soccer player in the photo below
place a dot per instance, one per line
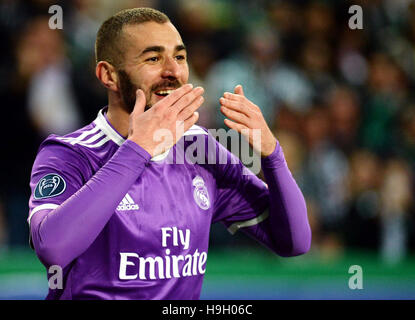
(121, 220)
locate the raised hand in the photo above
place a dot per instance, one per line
(244, 116)
(173, 115)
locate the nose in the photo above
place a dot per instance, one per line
(171, 69)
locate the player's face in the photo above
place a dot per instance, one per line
(154, 60)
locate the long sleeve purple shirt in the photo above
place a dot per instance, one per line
(124, 226)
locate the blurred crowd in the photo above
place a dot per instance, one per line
(339, 100)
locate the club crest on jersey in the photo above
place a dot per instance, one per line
(49, 186)
(200, 193)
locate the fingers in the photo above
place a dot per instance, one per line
(187, 99)
(235, 115)
(236, 126)
(234, 96)
(176, 95)
(191, 121)
(190, 109)
(236, 104)
(140, 102)
(239, 90)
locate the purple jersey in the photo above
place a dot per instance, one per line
(155, 243)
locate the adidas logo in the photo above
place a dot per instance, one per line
(127, 204)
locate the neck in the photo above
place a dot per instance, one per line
(117, 116)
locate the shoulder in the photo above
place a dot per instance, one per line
(68, 143)
(70, 149)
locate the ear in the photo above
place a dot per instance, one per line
(107, 75)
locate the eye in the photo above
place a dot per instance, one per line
(181, 57)
(153, 59)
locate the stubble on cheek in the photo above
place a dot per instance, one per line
(128, 92)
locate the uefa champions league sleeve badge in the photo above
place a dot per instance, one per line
(200, 193)
(49, 186)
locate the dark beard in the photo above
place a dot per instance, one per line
(128, 90)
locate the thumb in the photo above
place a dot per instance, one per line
(239, 90)
(140, 101)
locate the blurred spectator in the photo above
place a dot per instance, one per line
(387, 91)
(324, 174)
(287, 119)
(51, 101)
(350, 59)
(319, 20)
(201, 56)
(287, 18)
(316, 61)
(20, 149)
(361, 228)
(290, 87)
(344, 113)
(407, 135)
(396, 198)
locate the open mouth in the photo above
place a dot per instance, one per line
(164, 92)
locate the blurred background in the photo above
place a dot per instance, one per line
(340, 102)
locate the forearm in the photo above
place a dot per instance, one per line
(286, 230)
(61, 235)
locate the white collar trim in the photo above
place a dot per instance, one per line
(102, 123)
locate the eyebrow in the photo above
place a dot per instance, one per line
(159, 49)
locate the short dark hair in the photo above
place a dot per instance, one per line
(108, 45)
